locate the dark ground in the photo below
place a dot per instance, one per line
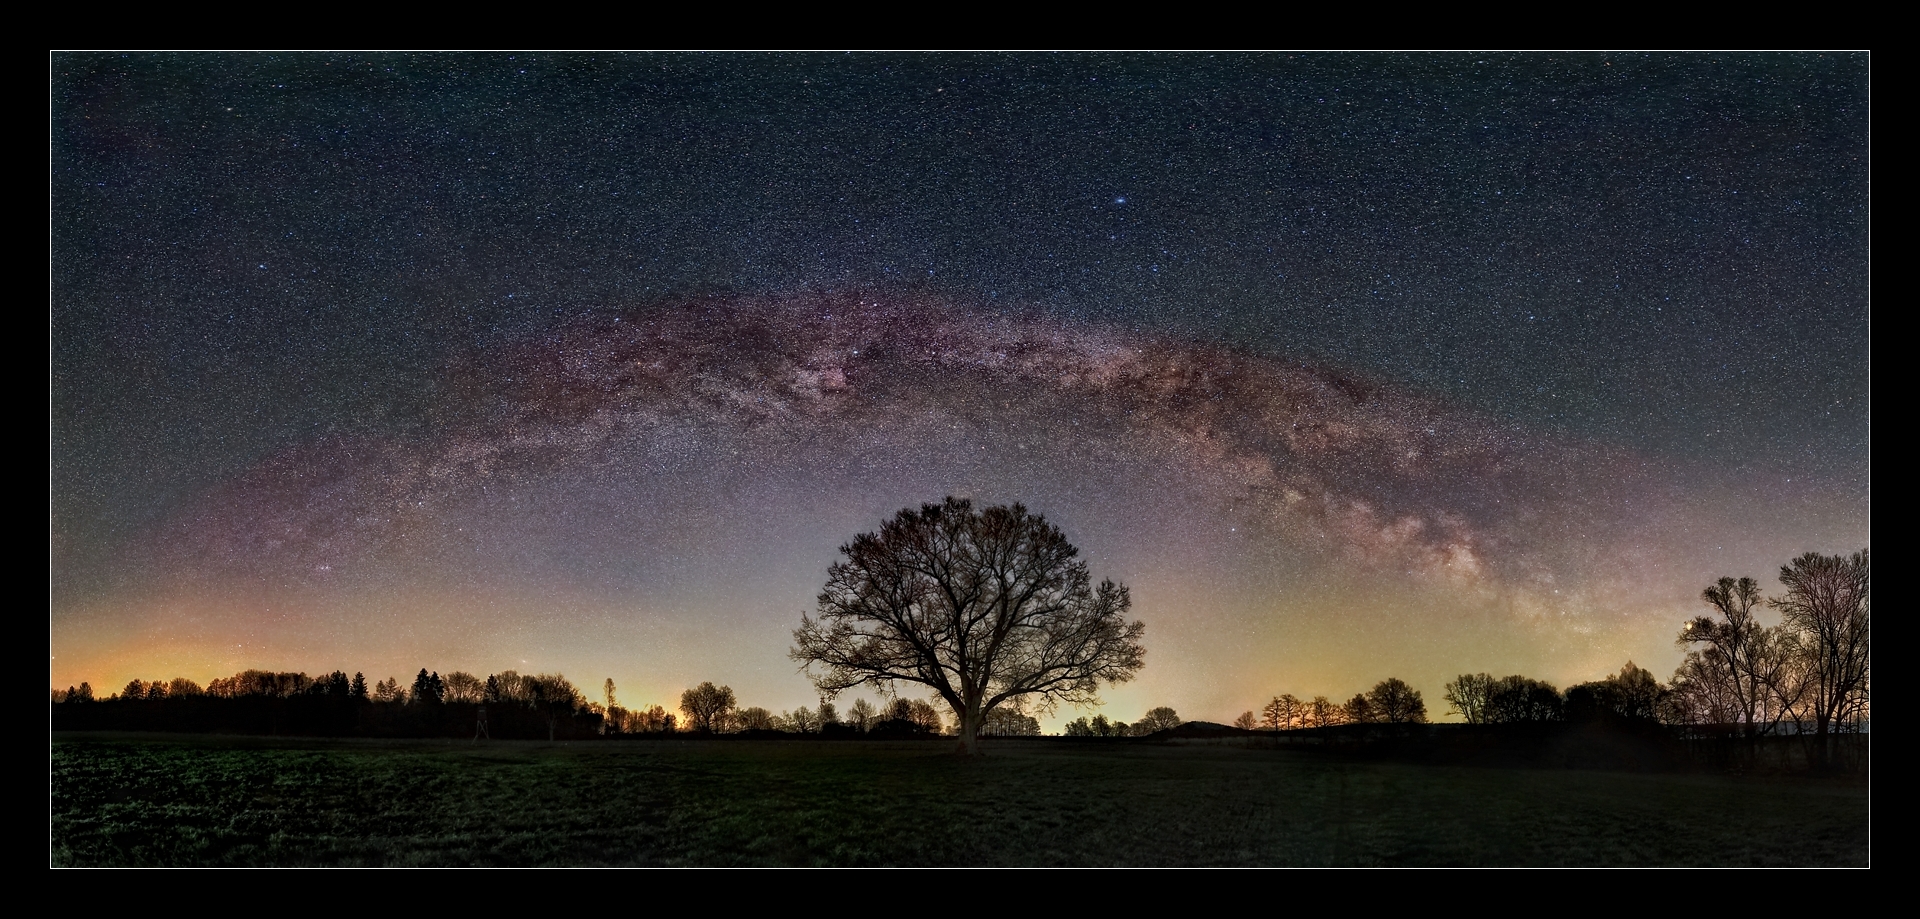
(128, 799)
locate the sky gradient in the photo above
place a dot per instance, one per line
(1350, 366)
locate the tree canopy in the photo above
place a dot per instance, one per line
(708, 707)
(981, 606)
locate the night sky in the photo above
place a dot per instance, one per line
(1350, 366)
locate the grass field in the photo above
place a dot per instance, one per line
(182, 800)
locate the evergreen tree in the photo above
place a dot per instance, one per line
(428, 688)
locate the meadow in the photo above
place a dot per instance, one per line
(182, 800)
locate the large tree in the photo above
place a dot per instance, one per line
(708, 708)
(1471, 695)
(1828, 599)
(1394, 702)
(1738, 638)
(554, 696)
(1743, 672)
(983, 607)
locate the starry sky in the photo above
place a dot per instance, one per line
(1348, 365)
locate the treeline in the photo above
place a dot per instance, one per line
(1390, 701)
(427, 688)
(459, 704)
(506, 704)
(1808, 677)
(714, 709)
(1632, 695)
(1153, 722)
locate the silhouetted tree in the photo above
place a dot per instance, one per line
(464, 687)
(1829, 601)
(1245, 722)
(707, 707)
(1516, 699)
(754, 719)
(1392, 701)
(906, 717)
(1701, 690)
(1158, 719)
(388, 690)
(553, 695)
(259, 683)
(1741, 659)
(1359, 710)
(922, 713)
(358, 689)
(1468, 695)
(981, 607)
(1281, 713)
(428, 689)
(1322, 712)
(1631, 695)
(511, 686)
(861, 715)
(1008, 722)
(1482, 699)
(802, 720)
(653, 720)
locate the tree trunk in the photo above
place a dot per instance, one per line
(970, 733)
(1820, 739)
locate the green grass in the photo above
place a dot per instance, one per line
(129, 800)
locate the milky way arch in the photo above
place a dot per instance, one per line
(1321, 462)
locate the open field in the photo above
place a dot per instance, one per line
(128, 799)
